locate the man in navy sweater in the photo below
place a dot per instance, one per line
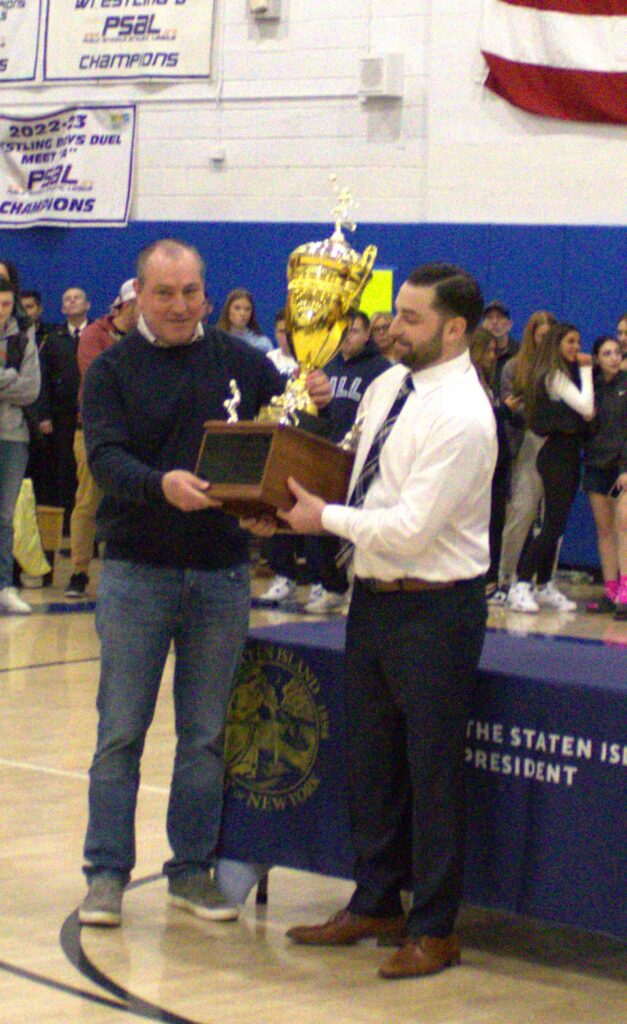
(176, 569)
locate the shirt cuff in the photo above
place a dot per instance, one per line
(338, 519)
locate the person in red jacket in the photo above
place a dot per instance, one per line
(97, 337)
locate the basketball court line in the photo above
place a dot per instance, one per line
(70, 938)
(64, 772)
(59, 986)
(49, 664)
(123, 1000)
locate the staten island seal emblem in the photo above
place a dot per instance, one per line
(276, 722)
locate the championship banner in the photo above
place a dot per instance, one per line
(127, 39)
(71, 167)
(19, 34)
(558, 58)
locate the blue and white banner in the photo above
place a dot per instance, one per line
(19, 34)
(127, 39)
(71, 167)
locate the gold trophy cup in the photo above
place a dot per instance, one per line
(248, 463)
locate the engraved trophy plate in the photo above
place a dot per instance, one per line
(248, 465)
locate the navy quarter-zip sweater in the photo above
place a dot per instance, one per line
(143, 413)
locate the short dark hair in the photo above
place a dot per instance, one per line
(31, 293)
(360, 315)
(279, 315)
(457, 293)
(171, 247)
(6, 285)
(599, 342)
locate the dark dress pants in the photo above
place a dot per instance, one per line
(321, 555)
(64, 428)
(42, 469)
(411, 662)
(282, 552)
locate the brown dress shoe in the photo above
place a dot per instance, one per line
(418, 957)
(344, 928)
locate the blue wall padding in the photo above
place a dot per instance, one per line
(577, 272)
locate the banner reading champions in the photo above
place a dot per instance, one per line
(19, 35)
(71, 167)
(127, 39)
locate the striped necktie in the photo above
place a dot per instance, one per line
(370, 467)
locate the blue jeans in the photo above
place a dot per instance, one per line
(141, 609)
(13, 459)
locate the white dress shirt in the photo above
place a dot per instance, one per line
(71, 329)
(149, 334)
(426, 514)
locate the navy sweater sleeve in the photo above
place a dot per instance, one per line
(116, 468)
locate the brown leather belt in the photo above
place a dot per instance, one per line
(408, 584)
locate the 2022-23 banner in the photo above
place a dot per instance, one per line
(71, 167)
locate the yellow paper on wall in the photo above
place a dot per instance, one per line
(379, 293)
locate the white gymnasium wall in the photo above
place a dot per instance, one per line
(490, 161)
(284, 106)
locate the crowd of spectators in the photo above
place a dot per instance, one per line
(557, 409)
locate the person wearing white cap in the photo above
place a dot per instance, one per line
(96, 338)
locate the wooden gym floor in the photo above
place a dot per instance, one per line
(164, 965)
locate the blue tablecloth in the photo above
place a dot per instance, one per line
(546, 758)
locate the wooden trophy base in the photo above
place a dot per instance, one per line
(248, 463)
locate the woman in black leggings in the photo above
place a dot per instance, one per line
(559, 399)
(605, 474)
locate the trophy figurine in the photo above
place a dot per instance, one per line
(248, 464)
(232, 404)
(324, 283)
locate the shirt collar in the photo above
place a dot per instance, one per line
(79, 327)
(150, 336)
(432, 376)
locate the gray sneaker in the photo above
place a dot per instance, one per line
(103, 903)
(199, 894)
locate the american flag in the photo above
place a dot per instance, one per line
(559, 58)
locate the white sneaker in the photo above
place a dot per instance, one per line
(520, 599)
(281, 591)
(498, 597)
(11, 603)
(549, 596)
(315, 593)
(322, 601)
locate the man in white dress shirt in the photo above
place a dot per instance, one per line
(416, 624)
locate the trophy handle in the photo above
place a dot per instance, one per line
(360, 274)
(365, 266)
(288, 314)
